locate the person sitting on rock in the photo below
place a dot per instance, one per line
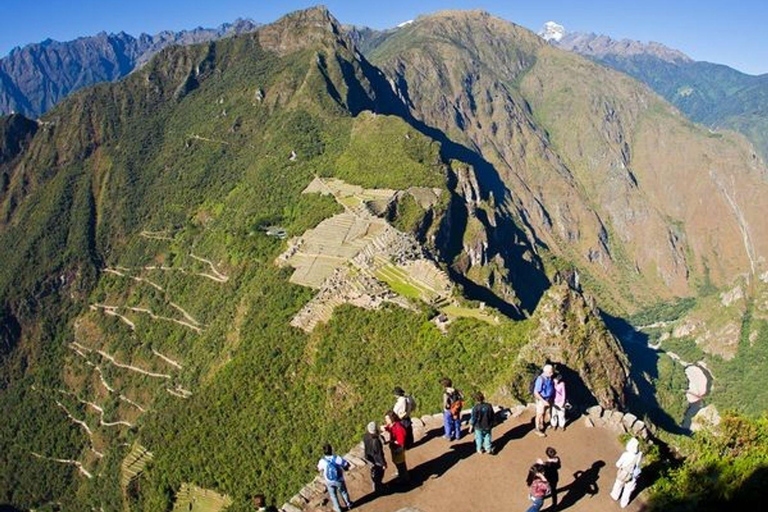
(374, 455)
(628, 472)
(543, 392)
(332, 468)
(404, 406)
(538, 487)
(557, 416)
(481, 422)
(453, 401)
(397, 445)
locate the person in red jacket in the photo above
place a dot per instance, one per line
(397, 436)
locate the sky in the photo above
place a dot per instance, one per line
(727, 32)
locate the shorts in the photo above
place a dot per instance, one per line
(542, 406)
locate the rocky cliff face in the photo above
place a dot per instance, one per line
(576, 156)
(36, 77)
(571, 335)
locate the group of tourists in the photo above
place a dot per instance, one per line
(549, 392)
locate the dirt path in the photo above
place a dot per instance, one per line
(451, 476)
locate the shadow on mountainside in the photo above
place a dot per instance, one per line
(525, 274)
(643, 371)
(584, 483)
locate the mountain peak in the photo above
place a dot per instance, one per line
(552, 31)
(594, 45)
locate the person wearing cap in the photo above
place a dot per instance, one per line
(627, 473)
(403, 407)
(374, 455)
(544, 392)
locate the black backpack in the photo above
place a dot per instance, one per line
(484, 416)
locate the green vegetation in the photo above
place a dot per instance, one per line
(722, 470)
(740, 383)
(663, 311)
(201, 170)
(670, 385)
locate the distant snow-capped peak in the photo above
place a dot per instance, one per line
(404, 24)
(552, 31)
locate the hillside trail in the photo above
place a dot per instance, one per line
(451, 476)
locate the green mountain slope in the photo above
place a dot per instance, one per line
(233, 255)
(712, 94)
(142, 306)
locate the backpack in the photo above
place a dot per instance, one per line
(410, 404)
(333, 472)
(455, 403)
(484, 416)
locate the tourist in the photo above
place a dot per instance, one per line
(374, 455)
(397, 445)
(453, 401)
(538, 487)
(628, 472)
(544, 392)
(332, 467)
(481, 421)
(404, 406)
(551, 471)
(559, 404)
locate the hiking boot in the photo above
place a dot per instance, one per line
(540, 433)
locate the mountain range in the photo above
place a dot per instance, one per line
(36, 77)
(712, 94)
(235, 252)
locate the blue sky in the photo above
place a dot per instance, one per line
(728, 32)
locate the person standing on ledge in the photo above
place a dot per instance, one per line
(627, 474)
(453, 401)
(538, 487)
(374, 455)
(543, 392)
(481, 421)
(559, 405)
(332, 467)
(404, 406)
(397, 445)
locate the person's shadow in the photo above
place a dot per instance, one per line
(584, 482)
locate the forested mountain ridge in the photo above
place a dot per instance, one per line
(589, 156)
(160, 239)
(712, 94)
(36, 77)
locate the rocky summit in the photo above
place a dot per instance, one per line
(232, 255)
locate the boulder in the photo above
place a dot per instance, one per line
(638, 427)
(355, 461)
(298, 500)
(595, 411)
(417, 423)
(628, 420)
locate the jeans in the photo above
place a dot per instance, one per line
(452, 425)
(483, 440)
(342, 488)
(536, 504)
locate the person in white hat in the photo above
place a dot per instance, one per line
(627, 474)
